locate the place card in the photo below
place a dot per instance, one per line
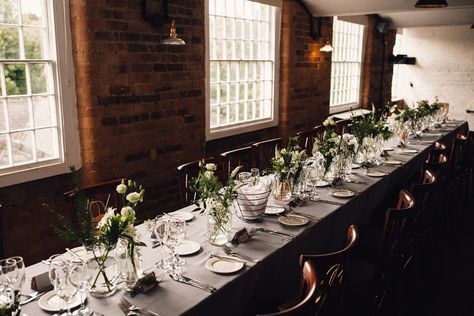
(144, 284)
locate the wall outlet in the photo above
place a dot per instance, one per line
(411, 84)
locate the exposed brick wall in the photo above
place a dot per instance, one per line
(376, 65)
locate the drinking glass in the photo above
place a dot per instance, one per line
(403, 136)
(244, 177)
(80, 276)
(174, 236)
(8, 274)
(59, 277)
(160, 230)
(255, 175)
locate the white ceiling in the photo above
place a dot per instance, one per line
(401, 13)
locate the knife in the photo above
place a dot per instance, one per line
(226, 258)
(274, 232)
(32, 298)
(195, 283)
(329, 202)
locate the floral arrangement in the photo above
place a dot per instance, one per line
(288, 162)
(369, 126)
(216, 198)
(327, 144)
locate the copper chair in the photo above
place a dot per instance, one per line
(264, 151)
(308, 293)
(237, 157)
(330, 267)
(184, 174)
(438, 149)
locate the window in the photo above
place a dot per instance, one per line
(397, 50)
(243, 40)
(36, 91)
(346, 64)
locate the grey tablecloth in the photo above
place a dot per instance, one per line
(276, 276)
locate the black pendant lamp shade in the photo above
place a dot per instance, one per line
(431, 4)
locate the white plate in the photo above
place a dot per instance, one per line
(80, 251)
(375, 174)
(409, 151)
(187, 247)
(274, 209)
(52, 303)
(342, 193)
(293, 220)
(223, 266)
(388, 148)
(355, 165)
(321, 183)
(425, 141)
(393, 162)
(184, 216)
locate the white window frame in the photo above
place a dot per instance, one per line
(230, 130)
(58, 19)
(353, 105)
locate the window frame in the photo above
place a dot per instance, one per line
(58, 19)
(254, 125)
(352, 105)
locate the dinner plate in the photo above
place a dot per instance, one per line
(375, 174)
(274, 209)
(187, 247)
(321, 183)
(424, 141)
(80, 251)
(293, 220)
(342, 193)
(52, 303)
(393, 162)
(409, 151)
(388, 148)
(355, 165)
(223, 266)
(184, 216)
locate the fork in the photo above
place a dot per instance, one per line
(126, 311)
(231, 252)
(136, 309)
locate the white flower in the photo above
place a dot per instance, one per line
(329, 121)
(121, 188)
(130, 231)
(211, 167)
(127, 212)
(110, 212)
(208, 174)
(234, 172)
(149, 224)
(134, 197)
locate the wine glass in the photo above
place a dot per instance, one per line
(59, 277)
(160, 230)
(9, 273)
(176, 231)
(80, 276)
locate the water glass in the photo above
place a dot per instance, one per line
(59, 277)
(8, 273)
(160, 230)
(80, 276)
(255, 175)
(176, 230)
(244, 177)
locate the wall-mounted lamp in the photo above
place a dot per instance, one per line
(326, 48)
(431, 4)
(173, 39)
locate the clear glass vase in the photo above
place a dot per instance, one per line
(282, 189)
(105, 271)
(218, 229)
(130, 262)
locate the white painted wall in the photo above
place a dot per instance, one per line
(444, 67)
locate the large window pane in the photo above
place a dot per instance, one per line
(34, 43)
(46, 143)
(32, 12)
(9, 11)
(15, 79)
(22, 147)
(19, 113)
(9, 43)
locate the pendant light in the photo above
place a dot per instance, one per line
(431, 4)
(326, 48)
(173, 39)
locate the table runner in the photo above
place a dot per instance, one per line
(276, 277)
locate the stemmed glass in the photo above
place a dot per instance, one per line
(176, 231)
(160, 230)
(20, 265)
(59, 277)
(8, 277)
(80, 275)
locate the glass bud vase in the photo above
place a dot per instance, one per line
(219, 229)
(130, 262)
(282, 189)
(105, 271)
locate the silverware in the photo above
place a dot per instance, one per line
(233, 253)
(31, 297)
(274, 232)
(135, 309)
(127, 312)
(308, 216)
(225, 258)
(75, 255)
(329, 202)
(193, 282)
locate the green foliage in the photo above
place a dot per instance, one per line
(327, 143)
(288, 162)
(369, 126)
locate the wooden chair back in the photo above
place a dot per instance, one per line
(264, 151)
(306, 140)
(438, 167)
(308, 293)
(343, 126)
(458, 150)
(394, 237)
(184, 174)
(99, 197)
(237, 157)
(421, 193)
(438, 149)
(330, 268)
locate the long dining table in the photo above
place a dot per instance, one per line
(276, 276)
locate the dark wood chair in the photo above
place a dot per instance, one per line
(99, 197)
(308, 293)
(237, 157)
(264, 151)
(438, 167)
(438, 149)
(184, 174)
(306, 140)
(330, 267)
(343, 126)
(373, 276)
